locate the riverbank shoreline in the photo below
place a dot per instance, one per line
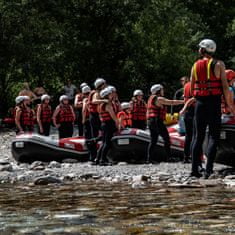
(137, 175)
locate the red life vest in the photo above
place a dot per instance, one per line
(187, 92)
(92, 107)
(126, 120)
(46, 113)
(27, 117)
(138, 110)
(206, 83)
(65, 114)
(155, 111)
(103, 114)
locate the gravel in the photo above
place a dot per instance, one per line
(137, 175)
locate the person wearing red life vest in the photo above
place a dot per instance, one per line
(115, 100)
(124, 116)
(138, 110)
(90, 142)
(230, 75)
(93, 102)
(156, 112)
(44, 115)
(109, 125)
(78, 101)
(24, 115)
(208, 83)
(64, 117)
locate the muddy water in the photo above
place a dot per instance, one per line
(97, 208)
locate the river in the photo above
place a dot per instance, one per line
(90, 207)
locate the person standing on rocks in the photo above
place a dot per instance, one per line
(208, 83)
(156, 113)
(44, 115)
(64, 117)
(78, 103)
(109, 125)
(90, 142)
(138, 110)
(93, 102)
(24, 115)
(70, 91)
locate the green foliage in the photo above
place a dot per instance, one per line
(131, 43)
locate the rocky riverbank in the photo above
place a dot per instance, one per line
(167, 174)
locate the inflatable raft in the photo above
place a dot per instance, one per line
(128, 145)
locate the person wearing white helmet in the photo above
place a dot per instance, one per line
(64, 117)
(109, 125)
(24, 115)
(78, 107)
(44, 115)
(115, 100)
(156, 113)
(138, 110)
(90, 142)
(208, 83)
(93, 101)
(124, 116)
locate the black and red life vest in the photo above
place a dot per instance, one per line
(26, 117)
(138, 110)
(126, 120)
(65, 114)
(46, 113)
(155, 111)
(103, 114)
(206, 83)
(93, 108)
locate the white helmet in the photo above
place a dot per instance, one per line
(44, 97)
(125, 105)
(98, 82)
(112, 88)
(138, 92)
(19, 99)
(155, 88)
(106, 91)
(86, 89)
(208, 44)
(63, 97)
(83, 85)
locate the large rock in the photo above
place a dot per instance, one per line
(54, 164)
(37, 165)
(44, 180)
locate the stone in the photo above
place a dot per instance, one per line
(139, 178)
(230, 183)
(45, 180)
(122, 164)
(70, 160)
(69, 177)
(36, 164)
(54, 164)
(230, 177)
(6, 167)
(4, 162)
(86, 176)
(210, 182)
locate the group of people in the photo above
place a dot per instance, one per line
(100, 111)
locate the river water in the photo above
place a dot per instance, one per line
(102, 208)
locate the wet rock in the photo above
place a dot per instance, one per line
(7, 167)
(86, 176)
(230, 177)
(164, 177)
(210, 182)
(54, 164)
(69, 177)
(70, 160)
(185, 186)
(44, 180)
(139, 178)
(230, 183)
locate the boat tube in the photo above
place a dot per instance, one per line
(129, 145)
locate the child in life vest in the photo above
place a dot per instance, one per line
(138, 110)
(124, 116)
(44, 115)
(24, 117)
(64, 117)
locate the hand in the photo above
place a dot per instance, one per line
(182, 112)
(41, 130)
(21, 132)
